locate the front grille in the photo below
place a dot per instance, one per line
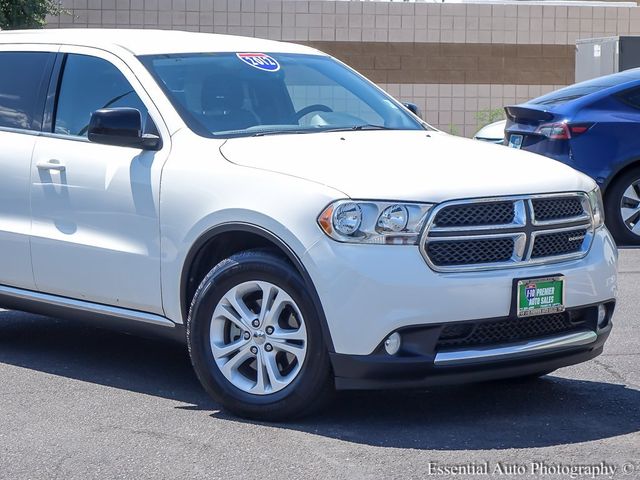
(505, 232)
(546, 209)
(467, 252)
(559, 243)
(489, 213)
(471, 334)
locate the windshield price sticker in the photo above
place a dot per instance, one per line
(261, 61)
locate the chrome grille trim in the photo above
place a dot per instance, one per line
(585, 243)
(519, 240)
(524, 230)
(474, 214)
(519, 218)
(586, 207)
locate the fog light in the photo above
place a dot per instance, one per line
(392, 343)
(602, 316)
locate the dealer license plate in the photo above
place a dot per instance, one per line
(540, 296)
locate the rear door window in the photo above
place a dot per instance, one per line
(22, 81)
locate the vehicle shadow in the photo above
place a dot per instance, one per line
(551, 411)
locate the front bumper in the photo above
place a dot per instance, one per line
(422, 364)
(369, 291)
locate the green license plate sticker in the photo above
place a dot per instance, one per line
(540, 296)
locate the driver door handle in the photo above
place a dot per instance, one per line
(51, 165)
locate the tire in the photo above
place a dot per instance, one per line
(613, 214)
(294, 382)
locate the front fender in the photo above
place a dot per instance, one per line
(201, 194)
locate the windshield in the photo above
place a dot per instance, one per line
(585, 88)
(246, 94)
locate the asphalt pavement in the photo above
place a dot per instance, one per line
(83, 403)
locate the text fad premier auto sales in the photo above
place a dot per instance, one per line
(535, 469)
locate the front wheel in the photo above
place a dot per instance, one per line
(255, 339)
(622, 208)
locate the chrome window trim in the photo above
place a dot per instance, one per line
(518, 259)
(22, 131)
(62, 136)
(59, 136)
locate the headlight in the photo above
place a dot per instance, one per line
(393, 219)
(347, 218)
(374, 222)
(597, 207)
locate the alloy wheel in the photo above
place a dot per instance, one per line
(630, 207)
(258, 337)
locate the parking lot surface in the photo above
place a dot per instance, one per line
(78, 402)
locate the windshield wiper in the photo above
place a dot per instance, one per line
(366, 126)
(279, 132)
(320, 130)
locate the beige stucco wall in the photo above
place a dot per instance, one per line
(500, 53)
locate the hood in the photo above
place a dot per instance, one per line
(405, 165)
(493, 131)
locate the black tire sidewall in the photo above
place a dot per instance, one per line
(616, 225)
(315, 372)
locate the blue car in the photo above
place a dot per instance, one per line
(594, 127)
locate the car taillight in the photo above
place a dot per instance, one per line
(579, 128)
(562, 130)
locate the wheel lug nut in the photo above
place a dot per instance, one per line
(269, 330)
(268, 347)
(254, 350)
(247, 335)
(256, 323)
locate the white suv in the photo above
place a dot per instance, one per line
(300, 228)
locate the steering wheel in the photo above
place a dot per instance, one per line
(318, 107)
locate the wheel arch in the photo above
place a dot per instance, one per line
(226, 239)
(621, 170)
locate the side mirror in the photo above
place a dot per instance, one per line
(121, 127)
(413, 108)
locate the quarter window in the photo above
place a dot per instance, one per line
(631, 97)
(89, 84)
(23, 76)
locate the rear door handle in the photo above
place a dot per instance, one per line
(51, 165)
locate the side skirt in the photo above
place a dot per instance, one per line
(106, 316)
